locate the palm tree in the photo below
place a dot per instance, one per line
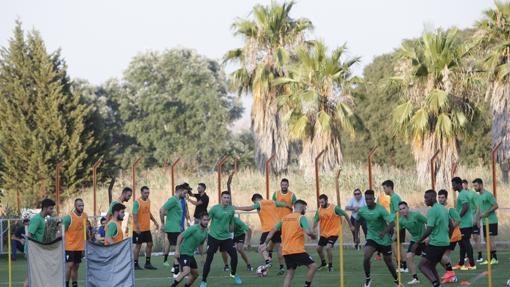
(436, 110)
(494, 33)
(318, 103)
(269, 40)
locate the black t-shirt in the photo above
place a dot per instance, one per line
(20, 232)
(202, 207)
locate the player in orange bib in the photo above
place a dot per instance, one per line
(328, 217)
(455, 238)
(114, 226)
(142, 217)
(286, 196)
(74, 240)
(293, 228)
(267, 210)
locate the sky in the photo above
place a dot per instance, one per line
(98, 38)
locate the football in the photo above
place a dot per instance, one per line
(262, 271)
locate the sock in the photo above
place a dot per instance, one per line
(67, 283)
(494, 255)
(281, 266)
(323, 262)
(449, 267)
(435, 283)
(480, 255)
(270, 254)
(75, 284)
(308, 283)
(175, 283)
(136, 261)
(248, 265)
(395, 281)
(268, 261)
(176, 269)
(415, 276)
(330, 264)
(404, 264)
(165, 258)
(226, 266)
(148, 260)
(367, 280)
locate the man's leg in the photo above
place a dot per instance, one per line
(224, 256)
(14, 245)
(136, 253)
(289, 277)
(232, 252)
(69, 271)
(74, 274)
(240, 249)
(312, 268)
(369, 251)
(166, 250)
(469, 250)
(148, 254)
(212, 247)
(176, 261)
(478, 247)
(492, 242)
(193, 276)
(389, 264)
(320, 251)
(280, 259)
(329, 252)
(410, 263)
(427, 268)
(181, 276)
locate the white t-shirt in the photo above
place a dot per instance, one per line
(355, 203)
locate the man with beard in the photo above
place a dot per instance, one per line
(172, 209)
(114, 227)
(464, 202)
(74, 240)
(142, 217)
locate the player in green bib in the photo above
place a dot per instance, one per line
(377, 219)
(487, 210)
(242, 236)
(464, 200)
(414, 222)
(125, 195)
(388, 188)
(438, 232)
(187, 242)
(170, 215)
(37, 225)
(220, 237)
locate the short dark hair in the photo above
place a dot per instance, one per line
(78, 199)
(47, 203)
(203, 214)
(102, 219)
(202, 185)
(465, 181)
(457, 180)
(388, 183)
(443, 192)
(323, 196)
(429, 191)
(403, 203)
(126, 190)
(225, 192)
(256, 196)
(478, 181)
(118, 207)
(284, 180)
(300, 201)
(369, 192)
(144, 188)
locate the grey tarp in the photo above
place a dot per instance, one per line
(110, 265)
(46, 263)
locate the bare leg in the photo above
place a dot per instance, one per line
(369, 251)
(148, 249)
(389, 263)
(289, 277)
(280, 256)
(224, 256)
(69, 270)
(410, 263)
(240, 249)
(183, 274)
(329, 252)
(193, 276)
(429, 270)
(136, 251)
(320, 251)
(312, 268)
(74, 275)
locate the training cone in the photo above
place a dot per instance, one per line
(465, 283)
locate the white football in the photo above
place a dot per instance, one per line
(262, 271)
(508, 283)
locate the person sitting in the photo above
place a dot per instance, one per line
(18, 238)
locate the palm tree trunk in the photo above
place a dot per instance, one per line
(500, 106)
(331, 158)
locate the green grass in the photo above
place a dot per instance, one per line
(353, 273)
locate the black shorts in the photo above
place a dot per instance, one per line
(419, 249)
(383, 249)
(143, 237)
(466, 232)
(453, 244)
(300, 259)
(277, 237)
(476, 230)
(434, 253)
(240, 238)
(189, 261)
(323, 241)
(224, 245)
(493, 229)
(172, 237)
(74, 256)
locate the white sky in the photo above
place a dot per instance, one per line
(98, 38)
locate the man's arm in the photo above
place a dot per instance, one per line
(112, 230)
(465, 208)
(194, 202)
(245, 208)
(154, 220)
(350, 206)
(178, 246)
(162, 214)
(248, 237)
(491, 209)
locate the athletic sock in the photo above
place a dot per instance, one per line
(281, 266)
(403, 264)
(494, 255)
(176, 269)
(330, 264)
(175, 283)
(226, 266)
(136, 261)
(415, 276)
(449, 266)
(323, 262)
(395, 281)
(435, 283)
(268, 261)
(308, 283)
(270, 253)
(75, 284)
(165, 258)
(367, 280)
(480, 255)
(148, 260)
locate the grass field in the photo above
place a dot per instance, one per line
(354, 275)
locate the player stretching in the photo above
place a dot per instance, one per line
(438, 233)
(488, 206)
(142, 217)
(455, 237)
(74, 240)
(187, 242)
(222, 226)
(377, 218)
(328, 217)
(293, 228)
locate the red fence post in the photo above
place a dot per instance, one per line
(370, 154)
(317, 179)
(94, 183)
(268, 170)
(172, 175)
(133, 176)
(433, 170)
(493, 162)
